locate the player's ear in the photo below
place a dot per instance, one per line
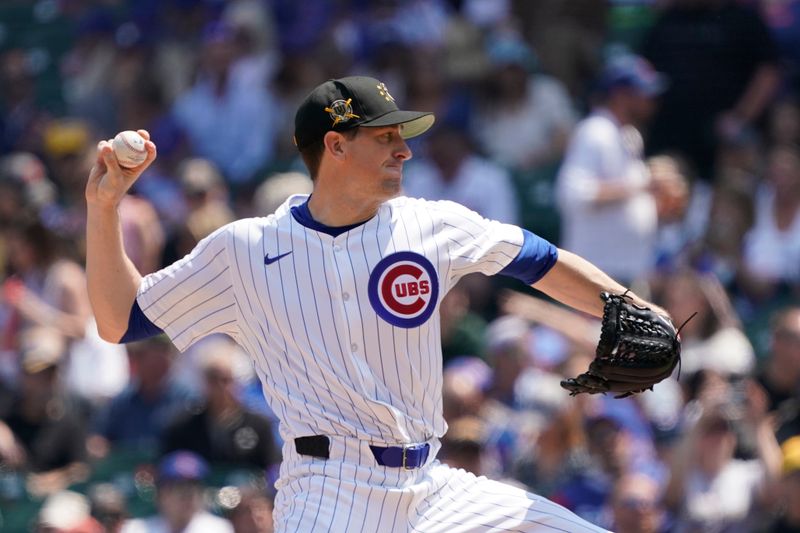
(334, 144)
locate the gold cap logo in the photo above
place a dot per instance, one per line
(341, 111)
(383, 91)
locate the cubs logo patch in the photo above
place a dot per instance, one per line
(403, 289)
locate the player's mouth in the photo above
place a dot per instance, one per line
(395, 168)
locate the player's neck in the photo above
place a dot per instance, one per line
(336, 210)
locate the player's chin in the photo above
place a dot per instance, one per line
(392, 180)
(391, 187)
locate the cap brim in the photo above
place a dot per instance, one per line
(412, 123)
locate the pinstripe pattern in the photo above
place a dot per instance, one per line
(364, 496)
(333, 361)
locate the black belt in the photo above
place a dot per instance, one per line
(408, 457)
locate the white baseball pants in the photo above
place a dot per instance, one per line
(351, 493)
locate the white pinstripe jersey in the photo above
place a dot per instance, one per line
(344, 330)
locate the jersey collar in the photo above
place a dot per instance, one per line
(302, 215)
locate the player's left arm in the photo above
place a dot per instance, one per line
(576, 282)
(525, 256)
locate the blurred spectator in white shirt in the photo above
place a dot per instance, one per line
(608, 213)
(772, 247)
(709, 489)
(524, 117)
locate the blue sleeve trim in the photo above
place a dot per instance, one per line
(139, 326)
(535, 259)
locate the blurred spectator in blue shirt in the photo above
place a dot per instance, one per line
(636, 506)
(551, 449)
(227, 119)
(139, 415)
(618, 441)
(180, 481)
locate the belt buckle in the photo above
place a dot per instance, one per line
(405, 467)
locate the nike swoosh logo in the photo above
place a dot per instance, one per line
(269, 260)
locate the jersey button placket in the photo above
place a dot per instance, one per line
(346, 290)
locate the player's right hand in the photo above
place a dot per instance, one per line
(108, 181)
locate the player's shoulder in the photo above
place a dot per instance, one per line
(411, 203)
(405, 203)
(441, 210)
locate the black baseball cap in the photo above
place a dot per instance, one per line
(345, 103)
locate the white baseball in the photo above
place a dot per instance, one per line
(129, 148)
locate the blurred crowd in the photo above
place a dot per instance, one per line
(658, 138)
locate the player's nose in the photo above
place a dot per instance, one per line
(402, 151)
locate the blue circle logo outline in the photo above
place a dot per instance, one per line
(374, 291)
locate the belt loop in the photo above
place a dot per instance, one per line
(315, 446)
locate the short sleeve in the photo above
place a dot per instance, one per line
(476, 244)
(194, 297)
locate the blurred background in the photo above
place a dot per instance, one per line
(701, 107)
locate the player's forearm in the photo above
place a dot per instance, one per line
(576, 282)
(112, 279)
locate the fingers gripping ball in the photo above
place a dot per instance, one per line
(129, 149)
(638, 348)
